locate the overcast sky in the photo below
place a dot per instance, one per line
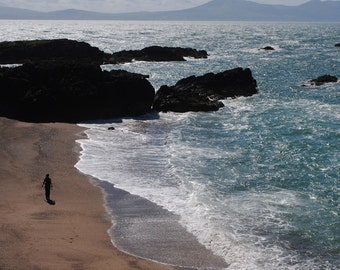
(114, 6)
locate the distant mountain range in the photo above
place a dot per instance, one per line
(215, 10)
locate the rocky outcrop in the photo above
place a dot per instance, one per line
(29, 51)
(71, 92)
(154, 54)
(61, 80)
(205, 92)
(324, 79)
(49, 50)
(337, 45)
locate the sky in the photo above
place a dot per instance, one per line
(116, 6)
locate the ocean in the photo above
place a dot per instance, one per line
(257, 183)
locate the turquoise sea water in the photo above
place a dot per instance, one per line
(257, 182)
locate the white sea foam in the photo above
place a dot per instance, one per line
(223, 206)
(159, 167)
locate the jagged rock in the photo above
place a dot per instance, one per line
(205, 92)
(154, 54)
(324, 79)
(52, 50)
(71, 92)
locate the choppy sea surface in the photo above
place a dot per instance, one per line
(258, 182)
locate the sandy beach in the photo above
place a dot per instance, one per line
(72, 234)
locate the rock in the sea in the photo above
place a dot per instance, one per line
(324, 79)
(337, 45)
(154, 54)
(61, 80)
(71, 92)
(205, 92)
(268, 48)
(29, 51)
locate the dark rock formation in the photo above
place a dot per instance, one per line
(61, 80)
(71, 92)
(324, 79)
(268, 48)
(70, 50)
(51, 50)
(154, 54)
(337, 45)
(203, 93)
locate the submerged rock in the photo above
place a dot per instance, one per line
(154, 54)
(204, 93)
(71, 92)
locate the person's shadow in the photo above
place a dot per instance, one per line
(50, 202)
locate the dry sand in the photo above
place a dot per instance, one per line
(72, 234)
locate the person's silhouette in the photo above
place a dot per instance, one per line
(48, 185)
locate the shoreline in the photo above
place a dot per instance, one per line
(147, 230)
(73, 233)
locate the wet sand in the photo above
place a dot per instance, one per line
(149, 231)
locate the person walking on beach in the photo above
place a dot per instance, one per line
(48, 185)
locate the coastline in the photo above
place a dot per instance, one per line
(147, 230)
(72, 234)
(140, 227)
